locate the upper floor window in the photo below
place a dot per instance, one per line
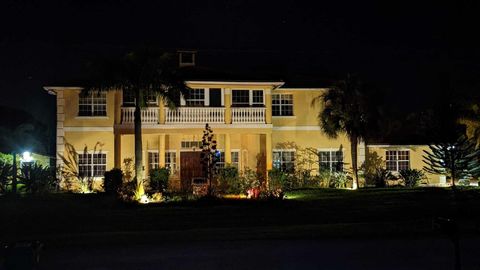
(331, 160)
(397, 160)
(284, 160)
(92, 104)
(92, 164)
(246, 98)
(196, 98)
(282, 105)
(129, 99)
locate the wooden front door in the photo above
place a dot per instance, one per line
(190, 167)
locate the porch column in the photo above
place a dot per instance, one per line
(161, 150)
(268, 106)
(118, 150)
(268, 150)
(228, 151)
(228, 103)
(161, 112)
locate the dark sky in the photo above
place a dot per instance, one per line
(408, 49)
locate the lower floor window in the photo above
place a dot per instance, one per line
(92, 164)
(170, 161)
(397, 160)
(284, 160)
(221, 159)
(331, 161)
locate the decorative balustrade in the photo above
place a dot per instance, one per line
(248, 115)
(149, 115)
(194, 115)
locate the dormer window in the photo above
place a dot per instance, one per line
(186, 58)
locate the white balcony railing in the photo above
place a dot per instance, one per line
(248, 115)
(195, 115)
(149, 115)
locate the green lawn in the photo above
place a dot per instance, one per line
(61, 218)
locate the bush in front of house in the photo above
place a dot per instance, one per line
(159, 179)
(411, 177)
(36, 179)
(113, 181)
(379, 177)
(228, 180)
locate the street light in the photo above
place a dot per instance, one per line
(27, 157)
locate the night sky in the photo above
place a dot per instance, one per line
(410, 50)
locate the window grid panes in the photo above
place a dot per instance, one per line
(331, 160)
(240, 98)
(196, 98)
(171, 161)
(257, 98)
(92, 164)
(235, 155)
(191, 144)
(153, 160)
(397, 160)
(284, 160)
(92, 104)
(282, 105)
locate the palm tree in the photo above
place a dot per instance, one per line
(471, 119)
(346, 109)
(143, 73)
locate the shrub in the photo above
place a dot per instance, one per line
(37, 178)
(379, 177)
(5, 174)
(411, 177)
(277, 185)
(249, 179)
(159, 179)
(228, 180)
(113, 181)
(339, 179)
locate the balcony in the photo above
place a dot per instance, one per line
(149, 115)
(248, 115)
(195, 115)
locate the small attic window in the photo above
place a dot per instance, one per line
(186, 58)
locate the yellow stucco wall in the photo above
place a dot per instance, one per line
(416, 158)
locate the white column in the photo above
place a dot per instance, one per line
(206, 97)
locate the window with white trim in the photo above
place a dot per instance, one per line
(331, 160)
(257, 98)
(92, 104)
(282, 105)
(195, 98)
(153, 162)
(92, 164)
(236, 159)
(191, 144)
(240, 98)
(397, 160)
(171, 161)
(129, 99)
(284, 160)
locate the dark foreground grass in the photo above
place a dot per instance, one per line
(316, 213)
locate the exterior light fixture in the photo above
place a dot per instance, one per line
(144, 199)
(27, 157)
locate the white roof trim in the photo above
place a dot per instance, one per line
(396, 145)
(234, 82)
(301, 89)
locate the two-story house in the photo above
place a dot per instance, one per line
(252, 121)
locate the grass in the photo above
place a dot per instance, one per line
(310, 213)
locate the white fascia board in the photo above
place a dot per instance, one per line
(276, 84)
(300, 89)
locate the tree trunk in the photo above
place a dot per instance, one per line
(353, 146)
(14, 172)
(138, 144)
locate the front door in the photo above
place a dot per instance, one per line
(190, 167)
(215, 97)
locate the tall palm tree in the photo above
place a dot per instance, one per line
(346, 109)
(143, 73)
(471, 119)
